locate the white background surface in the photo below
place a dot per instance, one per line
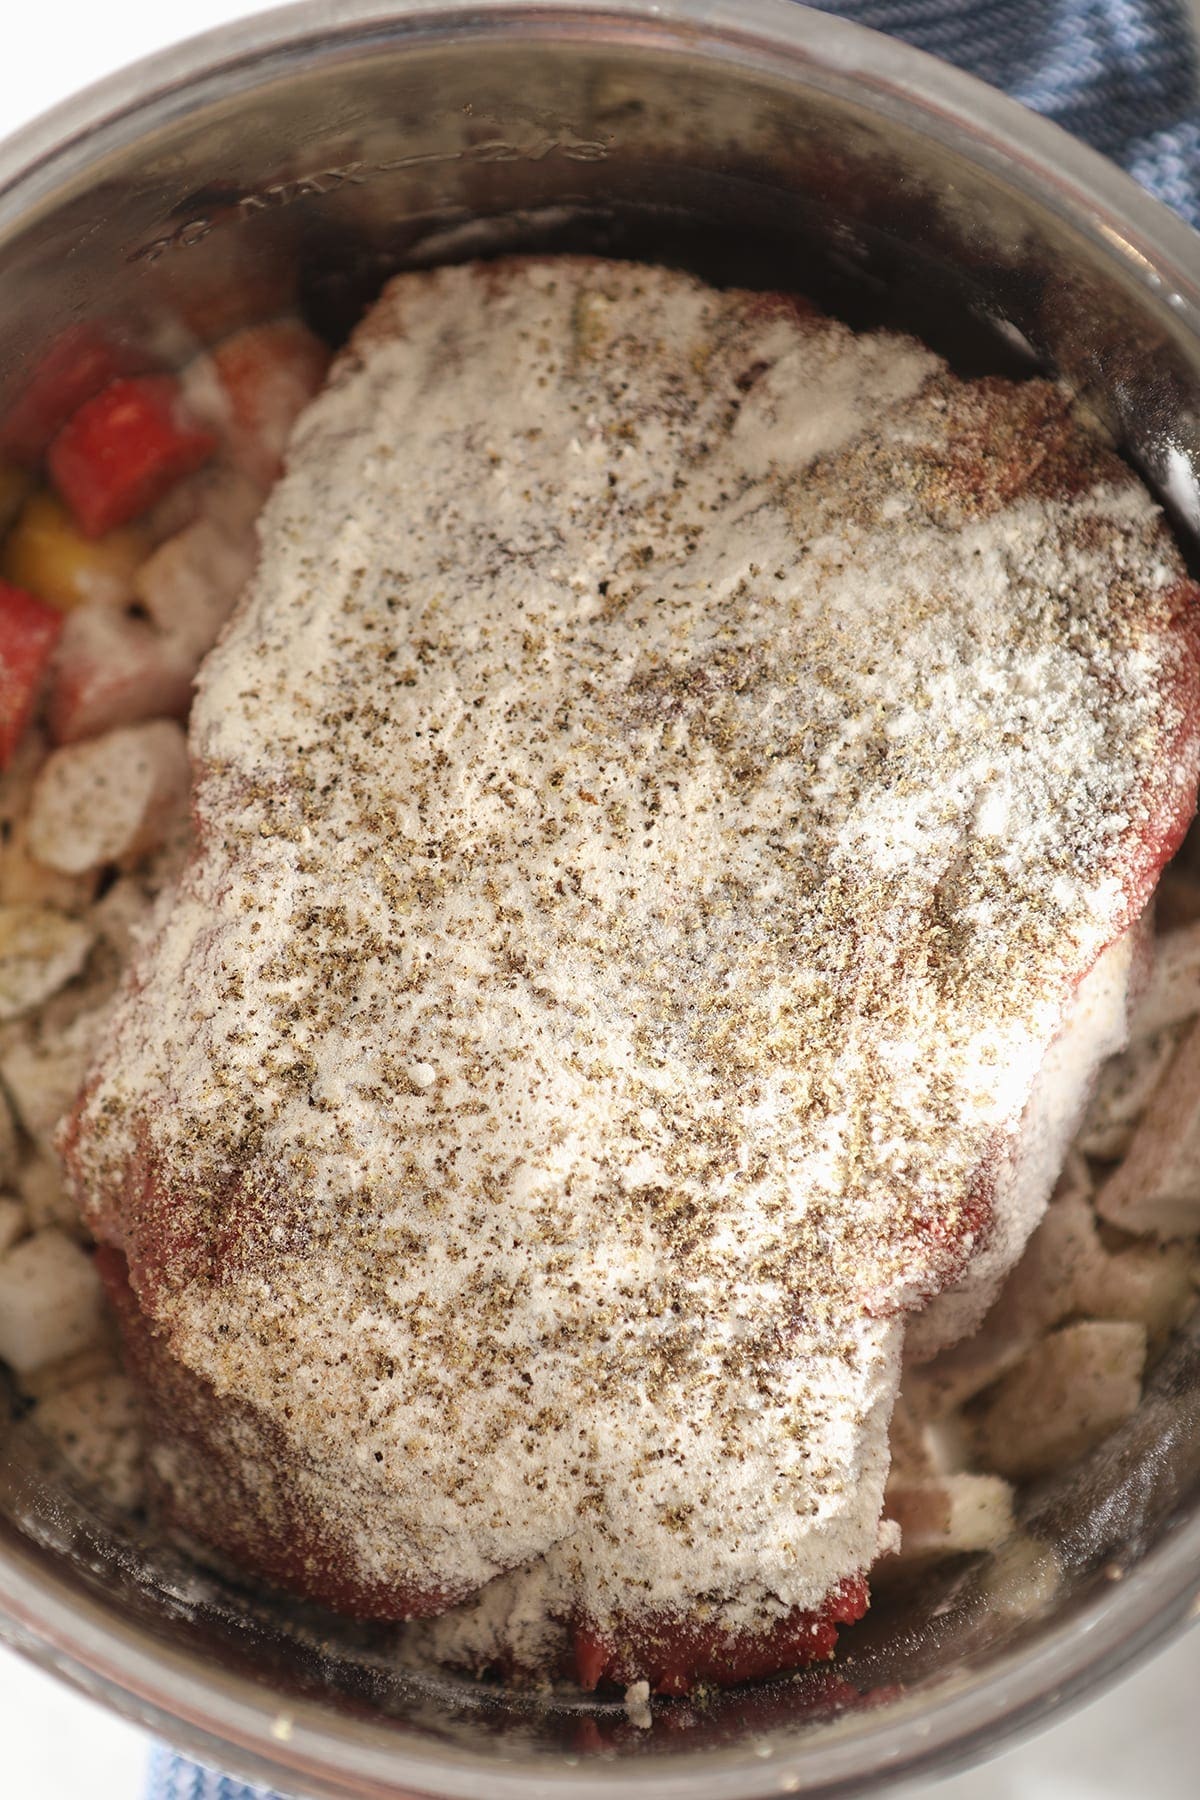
(1143, 1739)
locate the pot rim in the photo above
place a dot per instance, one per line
(218, 1714)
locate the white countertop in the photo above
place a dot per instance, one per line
(1143, 1738)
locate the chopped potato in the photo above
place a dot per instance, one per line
(1124, 1089)
(112, 670)
(947, 1516)
(1172, 994)
(110, 799)
(1037, 1294)
(100, 1357)
(948, 1442)
(1024, 1577)
(44, 1070)
(1147, 1284)
(910, 1458)
(939, 1387)
(50, 1301)
(1063, 1398)
(1156, 1189)
(222, 495)
(94, 1424)
(24, 881)
(42, 1188)
(252, 386)
(121, 914)
(40, 951)
(16, 781)
(189, 586)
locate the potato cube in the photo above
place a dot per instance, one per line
(937, 1388)
(122, 914)
(1172, 993)
(1124, 1089)
(1156, 1189)
(948, 1516)
(189, 586)
(51, 1301)
(111, 799)
(223, 496)
(1063, 1398)
(44, 1070)
(112, 670)
(252, 386)
(26, 882)
(1038, 1293)
(94, 1424)
(16, 781)
(98, 1358)
(1023, 1578)
(1149, 1284)
(906, 1443)
(43, 1190)
(40, 951)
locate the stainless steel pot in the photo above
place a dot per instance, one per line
(302, 156)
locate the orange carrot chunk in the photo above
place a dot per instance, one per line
(79, 363)
(123, 449)
(28, 633)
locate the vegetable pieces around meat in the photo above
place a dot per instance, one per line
(29, 631)
(252, 386)
(47, 554)
(78, 364)
(123, 449)
(114, 670)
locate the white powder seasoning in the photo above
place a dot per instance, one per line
(673, 766)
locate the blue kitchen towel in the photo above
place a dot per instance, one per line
(1122, 75)
(174, 1777)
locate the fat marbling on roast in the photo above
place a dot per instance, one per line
(673, 811)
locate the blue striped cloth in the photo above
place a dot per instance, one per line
(1121, 74)
(174, 1777)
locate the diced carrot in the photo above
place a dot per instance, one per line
(77, 365)
(48, 555)
(123, 449)
(253, 385)
(29, 631)
(113, 670)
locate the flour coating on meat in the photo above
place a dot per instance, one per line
(671, 770)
